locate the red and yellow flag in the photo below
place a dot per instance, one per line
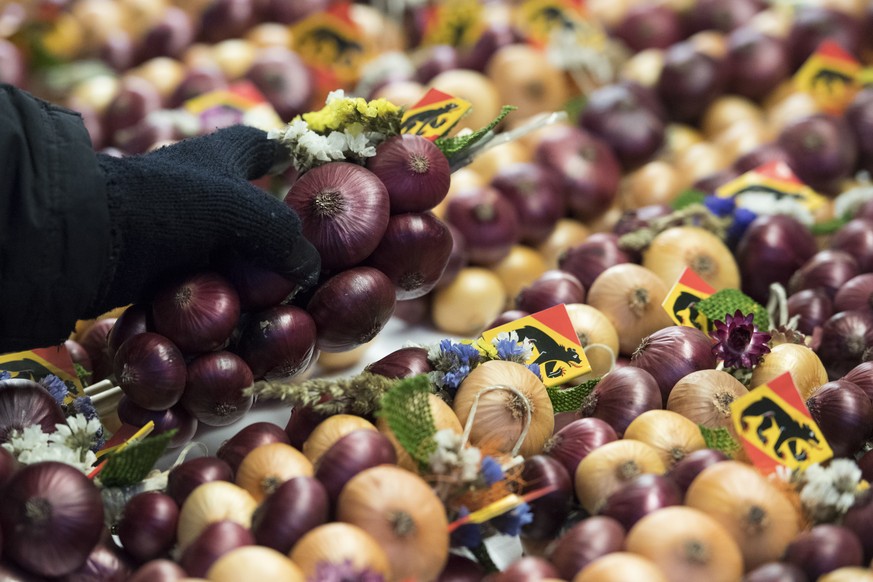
(434, 115)
(831, 76)
(680, 301)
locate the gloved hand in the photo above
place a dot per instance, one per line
(174, 209)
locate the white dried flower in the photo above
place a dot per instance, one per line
(359, 144)
(77, 433)
(762, 202)
(23, 440)
(828, 492)
(337, 95)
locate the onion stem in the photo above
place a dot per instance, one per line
(38, 510)
(521, 399)
(696, 552)
(756, 519)
(639, 300)
(608, 349)
(328, 203)
(419, 163)
(628, 470)
(402, 523)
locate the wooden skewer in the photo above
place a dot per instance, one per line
(105, 395)
(98, 387)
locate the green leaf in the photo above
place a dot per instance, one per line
(728, 301)
(687, 198)
(458, 148)
(133, 464)
(829, 226)
(720, 439)
(406, 408)
(571, 399)
(575, 106)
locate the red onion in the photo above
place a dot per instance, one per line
(672, 353)
(639, 497)
(147, 527)
(214, 394)
(432, 60)
(586, 167)
(621, 396)
(8, 466)
(132, 321)
(812, 306)
(284, 78)
(295, 507)
(859, 114)
(413, 311)
(719, 16)
(527, 569)
(549, 289)
(358, 450)
(487, 221)
(234, 450)
(105, 563)
(689, 82)
(856, 238)
(844, 414)
(351, 308)
(300, 425)
(198, 79)
(413, 253)
(414, 170)
(151, 371)
(24, 403)
(647, 26)
(174, 417)
(619, 115)
(187, 476)
(585, 542)
(53, 517)
(278, 342)
(763, 154)
(859, 518)
(214, 541)
(402, 363)
(824, 548)
(587, 260)
(458, 257)
(536, 197)
(862, 377)
(258, 287)
(821, 150)
(770, 251)
(856, 294)
(571, 444)
(692, 464)
(495, 35)
(757, 62)
(776, 572)
(158, 571)
(712, 182)
(549, 511)
(78, 354)
(812, 24)
(95, 340)
(461, 569)
(827, 270)
(197, 313)
(507, 317)
(845, 340)
(344, 210)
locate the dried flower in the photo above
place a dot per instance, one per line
(492, 472)
(452, 361)
(828, 492)
(738, 342)
(510, 523)
(468, 535)
(344, 571)
(56, 387)
(4, 375)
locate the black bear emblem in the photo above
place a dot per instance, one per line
(791, 432)
(550, 353)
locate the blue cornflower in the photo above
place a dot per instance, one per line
(491, 470)
(535, 368)
(468, 535)
(4, 375)
(343, 572)
(743, 217)
(719, 206)
(454, 361)
(56, 387)
(511, 523)
(509, 349)
(83, 405)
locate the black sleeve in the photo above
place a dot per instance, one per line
(54, 221)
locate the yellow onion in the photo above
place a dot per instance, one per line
(679, 247)
(489, 162)
(521, 267)
(254, 564)
(705, 397)
(268, 466)
(329, 431)
(443, 418)
(605, 469)
(524, 76)
(597, 336)
(508, 404)
(211, 502)
(568, 232)
(405, 517)
(474, 87)
(630, 296)
(470, 302)
(621, 567)
(656, 182)
(670, 433)
(726, 111)
(700, 160)
(336, 543)
(757, 514)
(807, 370)
(686, 544)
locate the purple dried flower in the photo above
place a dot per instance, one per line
(739, 343)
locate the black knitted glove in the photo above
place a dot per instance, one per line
(177, 208)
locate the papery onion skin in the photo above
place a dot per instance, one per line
(106, 563)
(413, 253)
(337, 542)
(525, 569)
(162, 570)
(293, 509)
(639, 497)
(812, 307)
(351, 308)
(821, 150)
(151, 371)
(862, 376)
(187, 476)
(857, 293)
(621, 566)
(344, 209)
(770, 251)
(859, 518)
(573, 442)
(24, 403)
(402, 363)
(844, 414)
(174, 417)
(52, 517)
(856, 238)
(248, 438)
(824, 548)
(621, 396)
(687, 469)
(680, 247)
(776, 572)
(550, 510)
(134, 320)
(689, 81)
(587, 260)
(549, 289)
(214, 390)
(672, 353)
(536, 197)
(214, 541)
(805, 367)
(300, 425)
(258, 288)
(705, 397)
(586, 541)
(278, 343)
(147, 527)
(415, 172)
(845, 340)
(95, 340)
(351, 454)
(487, 221)
(827, 270)
(197, 313)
